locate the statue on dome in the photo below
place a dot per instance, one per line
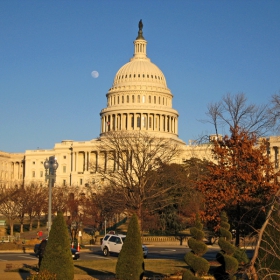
(140, 25)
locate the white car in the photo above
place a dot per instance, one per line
(112, 243)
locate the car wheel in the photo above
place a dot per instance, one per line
(106, 252)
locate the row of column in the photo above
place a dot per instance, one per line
(139, 121)
(14, 171)
(91, 161)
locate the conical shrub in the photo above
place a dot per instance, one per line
(57, 256)
(130, 264)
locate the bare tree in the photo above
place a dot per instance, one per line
(233, 111)
(266, 259)
(274, 111)
(128, 159)
(9, 206)
(40, 202)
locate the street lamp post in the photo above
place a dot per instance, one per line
(50, 165)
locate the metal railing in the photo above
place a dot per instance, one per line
(9, 238)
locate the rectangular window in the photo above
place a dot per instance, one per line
(155, 99)
(64, 157)
(64, 182)
(138, 121)
(81, 181)
(33, 174)
(64, 169)
(150, 99)
(41, 174)
(132, 98)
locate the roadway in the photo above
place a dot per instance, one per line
(94, 252)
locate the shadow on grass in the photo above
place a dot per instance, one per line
(94, 272)
(157, 275)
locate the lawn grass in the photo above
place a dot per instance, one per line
(107, 267)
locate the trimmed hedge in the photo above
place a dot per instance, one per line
(130, 264)
(57, 256)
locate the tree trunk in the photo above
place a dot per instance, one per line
(237, 238)
(11, 227)
(21, 227)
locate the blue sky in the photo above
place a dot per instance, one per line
(205, 49)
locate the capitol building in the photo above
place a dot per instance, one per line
(138, 100)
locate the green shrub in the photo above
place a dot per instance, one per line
(188, 275)
(241, 256)
(130, 264)
(199, 248)
(226, 246)
(199, 266)
(57, 256)
(229, 264)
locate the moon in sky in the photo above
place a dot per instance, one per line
(94, 74)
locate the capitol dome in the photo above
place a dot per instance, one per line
(139, 98)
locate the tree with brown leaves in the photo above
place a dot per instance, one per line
(241, 179)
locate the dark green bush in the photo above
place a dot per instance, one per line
(57, 256)
(197, 233)
(225, 233)
(199, 266)
(229, 264)
(226, 246)
(241, 256)
(188, 275)
(199, 248)
(130, 264)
